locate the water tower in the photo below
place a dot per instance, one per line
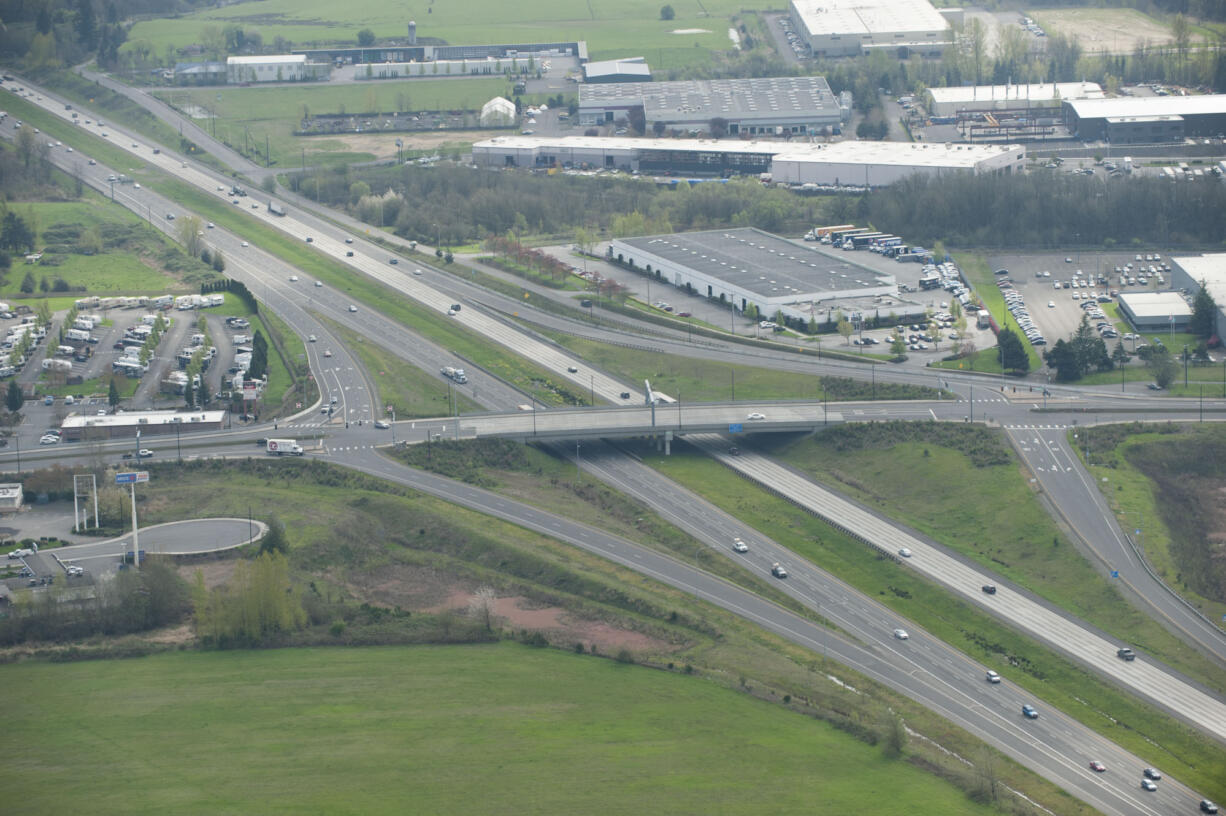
(412, 32)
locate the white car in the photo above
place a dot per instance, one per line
(382, 424)
(245, 243)
(136, 185)
(416, 271)
(1051, 304)
(993, 677)
(739, 545)
(49, 440)
(327, 352)
(905, 552)
(311, 338)
(293, 278)
(756, 417)
(352, 308)
(144, 453)
(901, 634)
(210, 225)
(318, 284)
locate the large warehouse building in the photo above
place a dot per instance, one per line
(949, 101)
(90, 428)
(1155, 311)
(765, 105)
(850, 28)
(275, 68)
(845, 164)
(748, 266)
(1189, 272)
(1133, 120)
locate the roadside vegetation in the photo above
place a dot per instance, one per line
(1164, 480)
(1074, 690)
(372, 563)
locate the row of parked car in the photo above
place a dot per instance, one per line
(1017, 307)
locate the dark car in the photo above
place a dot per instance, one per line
(990, 589)
(1207, 807)
(261, 442)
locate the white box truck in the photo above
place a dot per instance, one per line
(282, 447)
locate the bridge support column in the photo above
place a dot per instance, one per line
(668, 443)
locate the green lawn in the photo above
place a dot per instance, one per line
(610, 27)
(429, 730)
(1075, 691)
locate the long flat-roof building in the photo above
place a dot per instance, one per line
(748, 266)
(1190, 271)
(1203, 115)
(86, 427)
(845, 164)
(949, 101)
(275, 68)
(1156, 311)
(762, 105)
(850, 28)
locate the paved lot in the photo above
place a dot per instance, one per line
(1061, 320)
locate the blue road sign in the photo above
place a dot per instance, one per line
(132, 477)
(1115, 573)
(1137, 531)
(735, 427)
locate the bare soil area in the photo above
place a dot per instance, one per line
(1116, 31)
(383, 145)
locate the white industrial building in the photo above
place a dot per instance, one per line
(948, 101)
(1155, 311)
(850, 28)
(88, 427)
(848, 164)
(1189, 272)
(10, 497)
(275, 68)
(748, 266)
(758, 106)
(433, 69)
(498, 112)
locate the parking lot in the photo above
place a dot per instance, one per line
(1083, 277)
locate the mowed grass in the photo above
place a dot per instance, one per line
(975, 268)
(1185, 752)
(111, 271)
(429, 730)
(610, 27)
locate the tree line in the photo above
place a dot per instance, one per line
(1042, 209)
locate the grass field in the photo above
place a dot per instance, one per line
(610, 27)
(979, 274)
(430, 730)
(1114, 30)
(1077, 692)
(250, 118)
(113, 271)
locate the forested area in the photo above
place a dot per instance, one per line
(1043, 209)
(458, 205)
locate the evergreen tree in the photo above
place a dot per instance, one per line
(14, 399)
(1204, 314)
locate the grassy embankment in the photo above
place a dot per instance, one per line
(1162, 480)
(998, 522)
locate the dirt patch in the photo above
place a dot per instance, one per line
(383, 145)
(1116, 31)
(183, 633)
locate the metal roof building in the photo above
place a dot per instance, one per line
(763, 105)
(275, 68)
(1188, 272)
(1203, 115)
(748, 266)
(849, 28)
(85, 427)
(630, 69)
(948, 101)
(1156, 311)
(851, 163)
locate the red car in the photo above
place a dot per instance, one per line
(1097, 766)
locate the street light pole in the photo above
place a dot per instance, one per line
(577, 463)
